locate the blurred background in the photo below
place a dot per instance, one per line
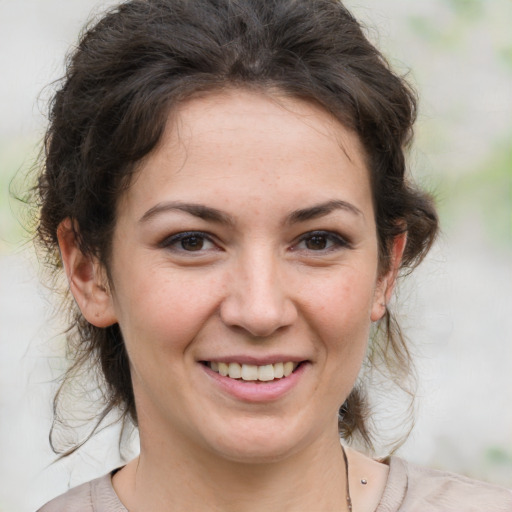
(456, 309)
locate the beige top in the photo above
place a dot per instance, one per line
(409, 489)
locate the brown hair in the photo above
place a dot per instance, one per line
(140, 60)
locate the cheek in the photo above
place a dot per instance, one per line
(342, 316)
(162, 310)
(341, 324)
(345, 299)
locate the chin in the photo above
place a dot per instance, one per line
(263, 453)
(258, 442)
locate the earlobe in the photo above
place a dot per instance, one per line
(87, 278)
(386, 283)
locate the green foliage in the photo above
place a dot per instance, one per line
(505, 55)
(469, 9)
(16, 157)
(425, 27)
(485, 193)
(438, 35)
(497, 456)
(496, 465)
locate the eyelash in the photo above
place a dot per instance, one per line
(335, 240)
(171, 241)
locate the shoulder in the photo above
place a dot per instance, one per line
(95, 496)
(430, 490)
(78, 499)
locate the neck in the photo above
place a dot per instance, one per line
(174, 476)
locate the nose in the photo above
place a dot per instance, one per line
(258, 298)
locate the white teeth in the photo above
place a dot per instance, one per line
(251, 372)
(278, 370)
(235, 370)
(223, 369)
(287, 369)
(266, 372)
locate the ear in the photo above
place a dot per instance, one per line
(87, 278)
(386, 282)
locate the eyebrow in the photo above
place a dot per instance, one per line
(320, 210)
(197, 210)
(213, 215)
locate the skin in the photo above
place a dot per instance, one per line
(264, 281)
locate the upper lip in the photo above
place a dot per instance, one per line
(256, 360)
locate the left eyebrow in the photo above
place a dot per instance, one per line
(196, 210)
(321, 210)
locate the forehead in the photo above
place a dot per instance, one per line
(235, 142)
(272, 117)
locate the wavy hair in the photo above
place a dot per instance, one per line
(137, 63)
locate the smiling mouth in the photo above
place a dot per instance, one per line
(251, 372)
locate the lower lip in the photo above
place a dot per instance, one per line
(257, 391)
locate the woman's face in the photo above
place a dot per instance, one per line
(247, 245)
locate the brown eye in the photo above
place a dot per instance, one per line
(192, 243)
(189, 241)
(316, 243)
(322, 242)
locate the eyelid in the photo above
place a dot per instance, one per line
(340, 241)
(171, 240)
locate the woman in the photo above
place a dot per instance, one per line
(225, 186)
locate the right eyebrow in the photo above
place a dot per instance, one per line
(321, 210)
(197, 210)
